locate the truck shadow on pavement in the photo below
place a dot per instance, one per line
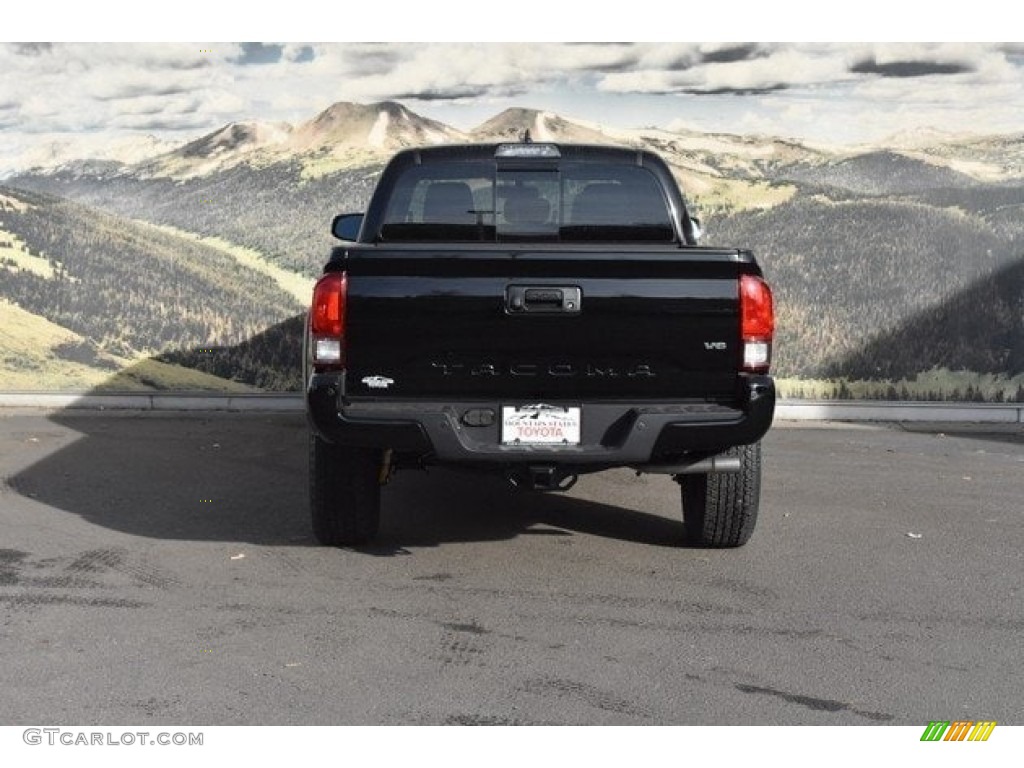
(243, 478)
(426, 509)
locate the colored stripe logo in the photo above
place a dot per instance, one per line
(958, 730)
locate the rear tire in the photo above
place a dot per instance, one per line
(344, 493)
(720, 510)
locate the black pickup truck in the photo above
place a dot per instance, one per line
(538, 311)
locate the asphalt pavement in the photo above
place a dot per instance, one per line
(159, 568)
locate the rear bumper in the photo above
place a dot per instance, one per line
(613, 433)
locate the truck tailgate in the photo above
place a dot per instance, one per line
(526, 325)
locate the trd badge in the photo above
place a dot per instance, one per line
(378, 382)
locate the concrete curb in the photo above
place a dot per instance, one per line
(869, 410)
(154, 402)
(787, 410)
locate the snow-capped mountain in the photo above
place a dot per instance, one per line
(350, 135)
(512, 124)
(59, 151)
(384, 126)
(220, 149)
(236, 138)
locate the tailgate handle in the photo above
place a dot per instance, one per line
(536, 299)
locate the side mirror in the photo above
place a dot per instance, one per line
(347, 226)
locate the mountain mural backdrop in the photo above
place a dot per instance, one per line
(898, 268)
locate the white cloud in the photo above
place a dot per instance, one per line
(845, 90)
(93, 87)
(779, 69)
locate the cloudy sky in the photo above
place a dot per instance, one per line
(834, 93)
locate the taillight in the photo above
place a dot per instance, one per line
(757, 323)
(327, 320)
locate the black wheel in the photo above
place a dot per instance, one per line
(344, 493)
(720, 510)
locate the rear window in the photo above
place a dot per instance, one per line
(576, 202)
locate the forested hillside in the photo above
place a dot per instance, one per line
(271, 209)
(126, 292)
(877, 173)
(980, 328)
(848, 271)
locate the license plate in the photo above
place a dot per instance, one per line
(540, 425)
